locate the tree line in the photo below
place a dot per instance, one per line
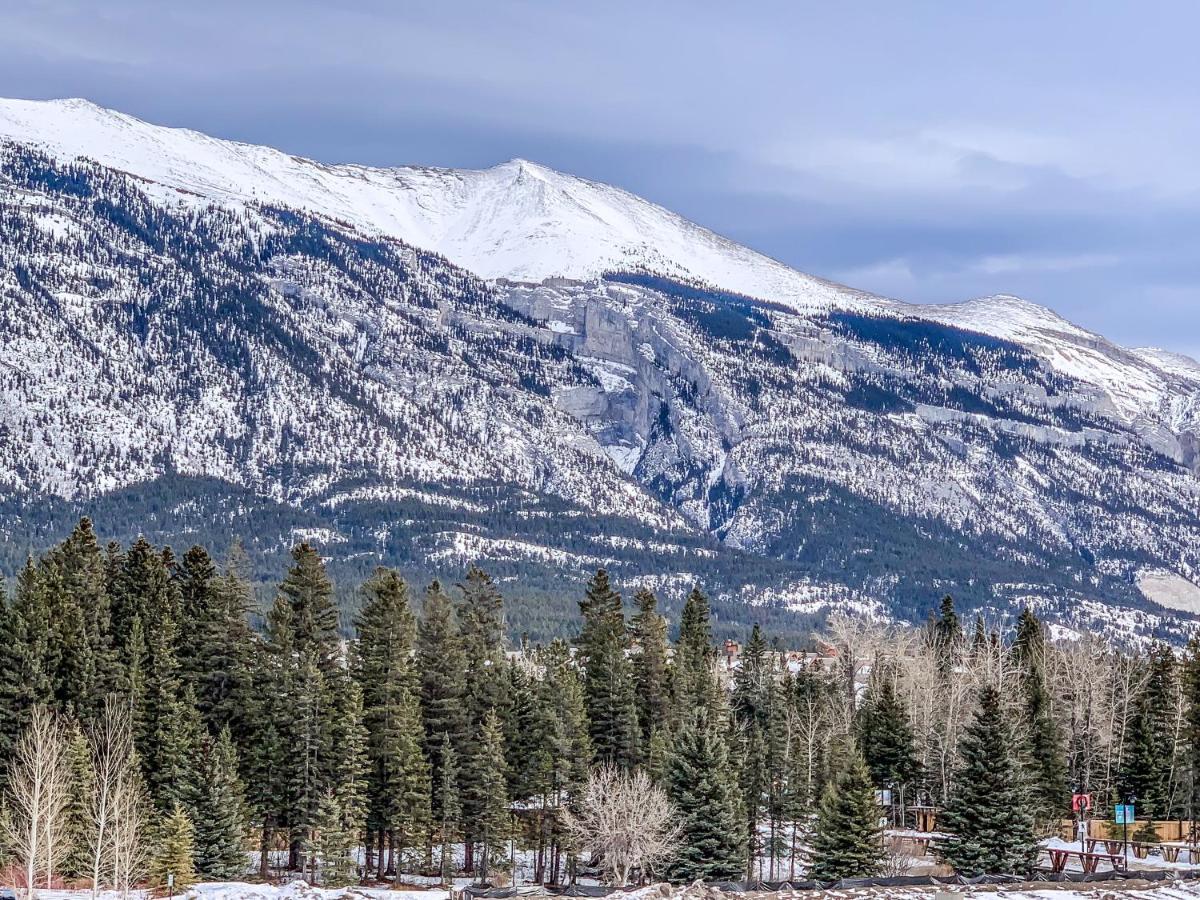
(148, 729)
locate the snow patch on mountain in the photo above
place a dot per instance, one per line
(1169, 590)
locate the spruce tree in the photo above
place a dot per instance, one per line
(885, 734)
(1150, 737)
(220, 825)
(177, 758)
(442, 669)
(752, 681)
(398, 788)
(1044, 756)
(694, 655)
(213, 609)
(332, 844)
(608, 683)
(651, 674)
(481, 631)
(946, 635)
(988, 815)
(846, 841)
(711, 843)
(174, 851)
(78, 822)
(490, 796)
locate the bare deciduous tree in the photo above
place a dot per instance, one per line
(39, 780)
(627, 820)
(116, 783)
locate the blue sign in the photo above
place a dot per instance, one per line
(1124, 813)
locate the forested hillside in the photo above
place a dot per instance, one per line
(136, 679)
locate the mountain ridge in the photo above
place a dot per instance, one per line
(870, 454)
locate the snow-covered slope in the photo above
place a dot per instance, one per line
(516, 220)
(525, 222)
(208, 332)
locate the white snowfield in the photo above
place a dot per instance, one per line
(525, 222)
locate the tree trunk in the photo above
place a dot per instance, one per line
(264, 852)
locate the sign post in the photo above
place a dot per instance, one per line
(1124, 815)
(1082, 804)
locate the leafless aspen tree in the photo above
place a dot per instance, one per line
(627, 820)
(128, 847)
(38, 786)
(115, 764)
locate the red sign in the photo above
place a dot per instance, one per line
(1081, 802)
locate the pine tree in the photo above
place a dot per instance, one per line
(174, 851)
(711, 845)
(176, 773)
(88, 667)
(752, 681)
(398, 787)
(314, 616)
(213, 610)
(1190, 683)
(220, 825)
(608, 683)
(846, 841)
(332, 845)
(26, 664)
(491, 795)
(885, 735)
(1044, 757)
(694, 655)
(481, 630)
(988, 814)
(563, 751)
(442, 669)
(77, 862)
(1150, 737)
(946, 635)
(651, 675)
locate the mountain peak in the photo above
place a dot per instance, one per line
(580, 230)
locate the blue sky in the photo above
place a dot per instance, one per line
(927, 151)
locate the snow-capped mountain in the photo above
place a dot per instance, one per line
(427, 367)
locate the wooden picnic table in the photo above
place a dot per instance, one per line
(1060, 856)
(1168, 850)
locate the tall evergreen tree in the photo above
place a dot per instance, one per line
(1044, 757)
(481, 630)
(651, 674)
(988, 815)
(846, 840)
(78, 820)
(946, 634)
(694, 655)
(490, 796)
(220, 825)
(1150, 737)
(213, 608)
(398, 788)
(712, 844)
(442, 668)
(885, 734)
(608, 683)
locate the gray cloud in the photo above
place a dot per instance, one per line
(923, 150)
